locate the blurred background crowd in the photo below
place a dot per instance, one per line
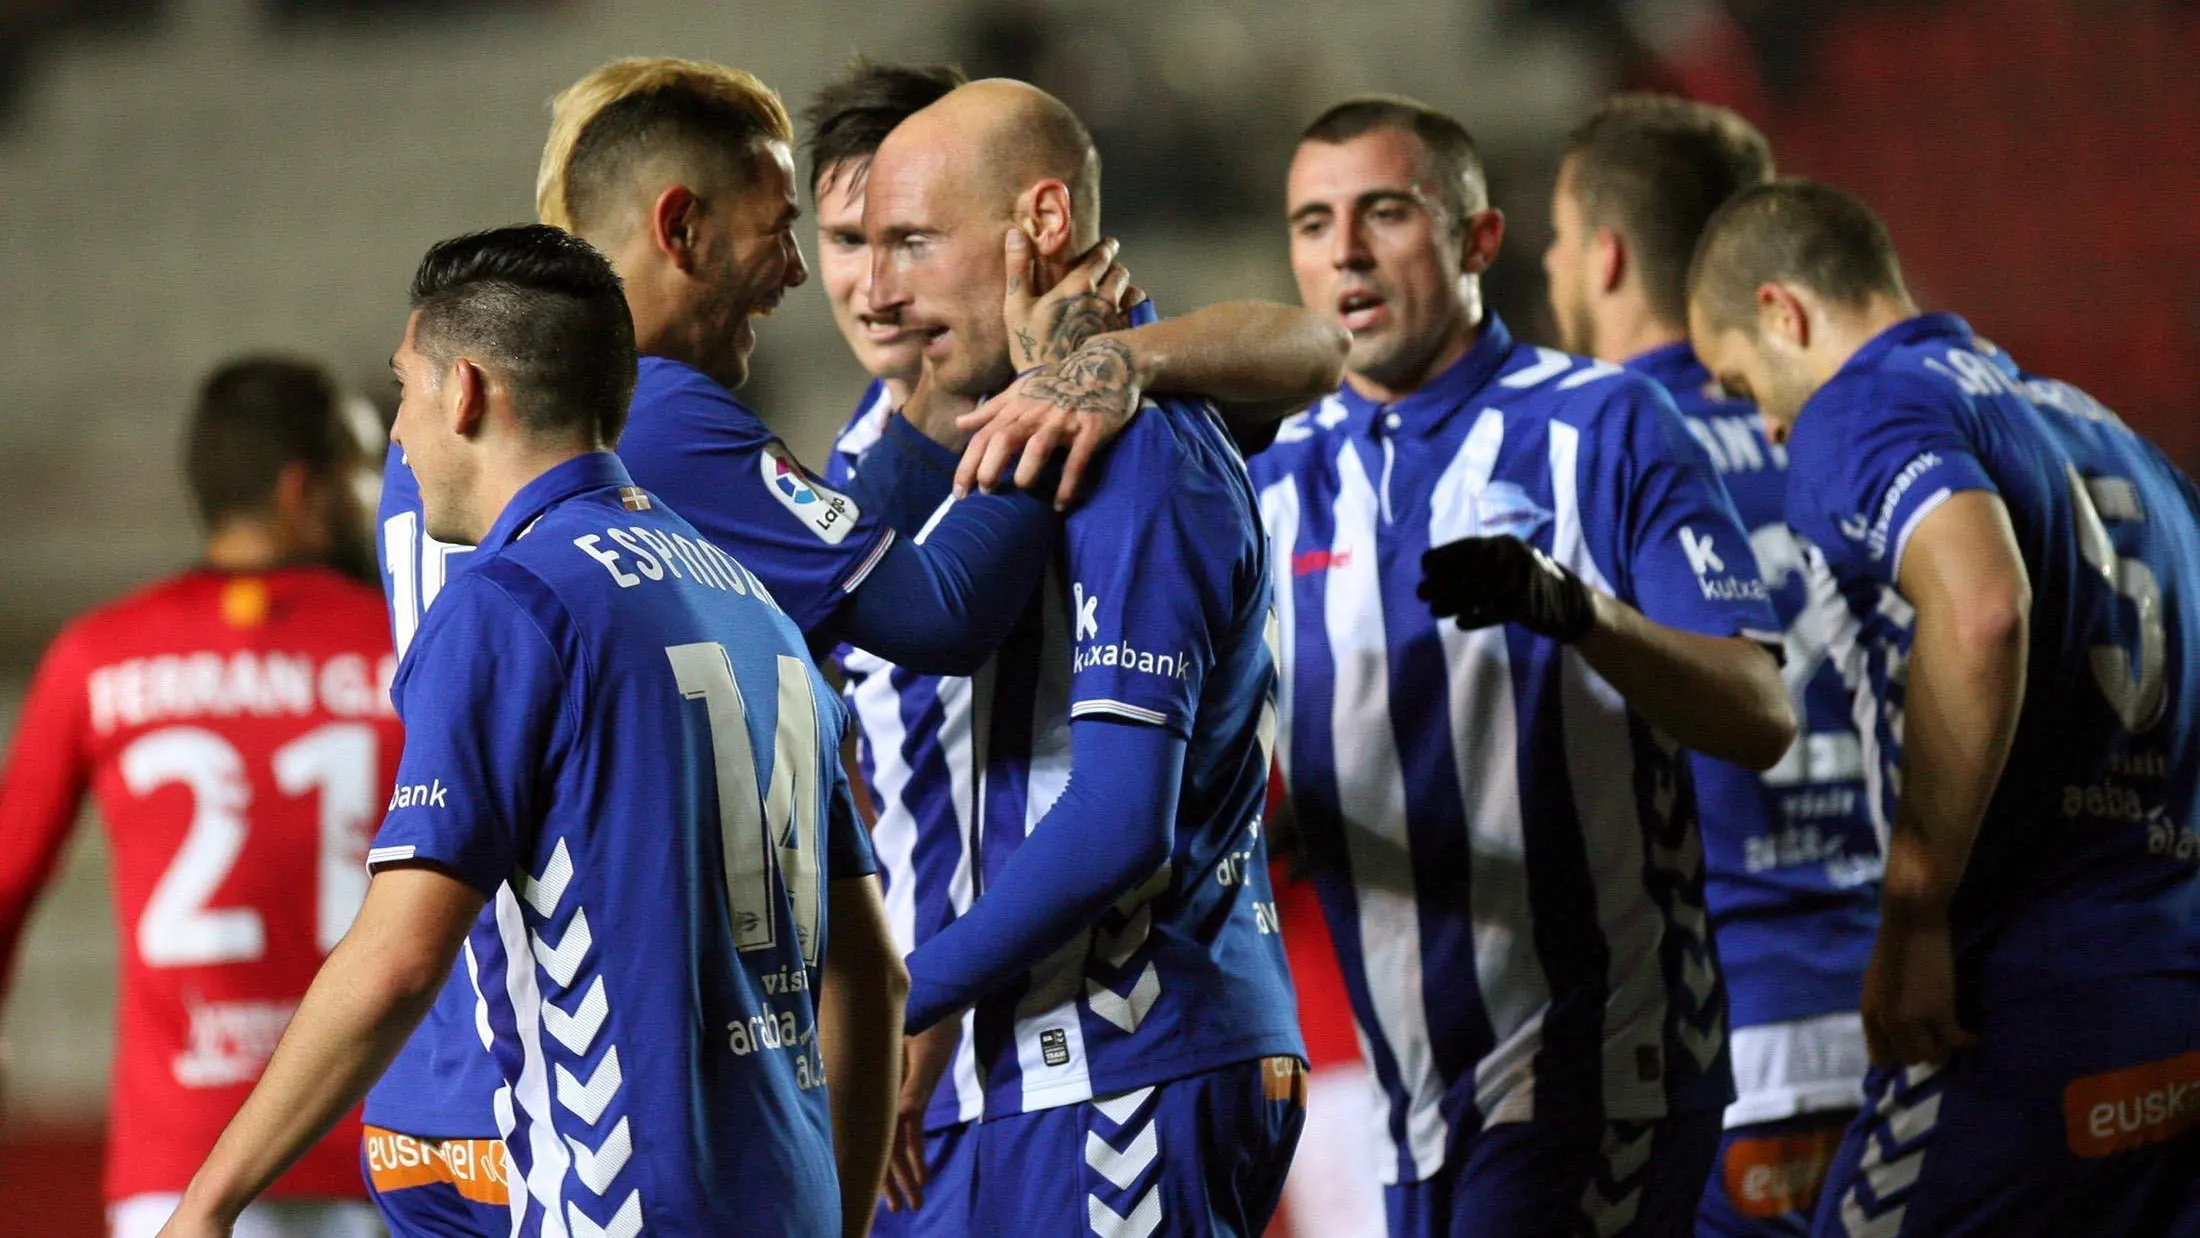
(182, 180)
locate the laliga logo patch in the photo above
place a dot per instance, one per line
(791, 483)
(828, 513)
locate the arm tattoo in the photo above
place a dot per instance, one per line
(1029, 345)
(1077, 320)
(1095, 379)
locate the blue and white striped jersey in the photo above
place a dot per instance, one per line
(1791, 860)
(1507, 854)
(615, 733)
(915, 735)
(2087, 863)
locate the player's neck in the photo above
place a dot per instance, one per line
(1627, 331)
(1458, 341)
(248, 544)
(1844, 330)
(502, 479)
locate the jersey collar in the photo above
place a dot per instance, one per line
(1423, 412)
(1902, 334)
(593, 471)
(1672, 366)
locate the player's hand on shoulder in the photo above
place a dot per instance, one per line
(1085, 388)
(1095, 297)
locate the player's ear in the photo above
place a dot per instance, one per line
(1781, 315)
(1485, 231)
(1047, 219)
(466, 390)
(1608, 258)
(293, 498)
(674, 222)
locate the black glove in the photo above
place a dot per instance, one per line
(1489, 580)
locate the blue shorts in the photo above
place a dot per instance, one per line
(437, 1188)
(1557, 1179)
(1198, 1156)
(1768, 1176)
(951, 1172)
(2076, 1114)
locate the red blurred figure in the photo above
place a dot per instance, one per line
(1334, 1190)
(233, 724)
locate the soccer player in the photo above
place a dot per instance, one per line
(1498, 814)
(615, 733)
(682, 172)
(2017, 564)
(1141, 1065)
(1790, 857)
(233, 724)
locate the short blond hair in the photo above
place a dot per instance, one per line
(739, 96)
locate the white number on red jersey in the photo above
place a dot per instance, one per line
(177, 928)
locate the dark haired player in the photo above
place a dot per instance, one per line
(1791, 860)
(2017, 566)
(233, 725)
(1498, 813)
(615, 733)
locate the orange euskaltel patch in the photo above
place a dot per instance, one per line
(2133, 1107)
(475, 1166)
(1774, 1175)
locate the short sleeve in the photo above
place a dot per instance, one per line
(692, 445)
(848, 853)
(1688, 560)
(1870, 460)
(482, 698)
(1148, 561)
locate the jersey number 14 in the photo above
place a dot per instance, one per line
(770, 841)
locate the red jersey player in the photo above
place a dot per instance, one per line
(233, 724)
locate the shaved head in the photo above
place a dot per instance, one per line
(1006, 136)
(946, 186)
(1791, 231)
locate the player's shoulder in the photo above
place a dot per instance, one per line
(1303, 436)
(672, 398)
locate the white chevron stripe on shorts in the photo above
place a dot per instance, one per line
(1122, 1161)
(1903, 1126)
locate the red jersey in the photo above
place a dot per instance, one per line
(236, 732)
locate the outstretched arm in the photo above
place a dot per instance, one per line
(369, 996)
(1719, 695)
(1258, 359)
(942, 605)
(1112, 828)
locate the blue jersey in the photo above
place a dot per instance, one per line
(914, 736)
(1791, 861)
(1155, 612)
(2087, 864)
(614, 733)
(690, 441)
(1501, 973)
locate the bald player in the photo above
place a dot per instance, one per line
(2017, 567)
(1133, 1015)
(1791, 861)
